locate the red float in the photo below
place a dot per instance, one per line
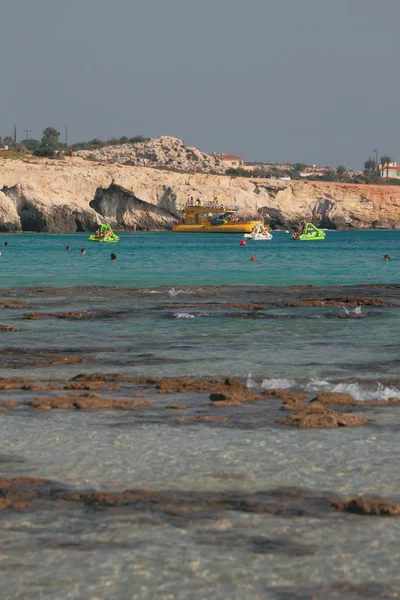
(243, 242)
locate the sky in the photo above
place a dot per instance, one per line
(308, 81)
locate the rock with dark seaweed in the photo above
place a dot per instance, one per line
(373, 506)
(225, 397)
(320, 418)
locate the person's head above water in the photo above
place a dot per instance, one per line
(6, 243)
(386, 257)
(83, 250)
(253, 258)
(68, 248)
(113, 256)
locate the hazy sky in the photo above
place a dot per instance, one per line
(314, 81)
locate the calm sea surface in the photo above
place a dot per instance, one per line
(179, 305)
(155, 259)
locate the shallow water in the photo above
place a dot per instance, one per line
(157, 316)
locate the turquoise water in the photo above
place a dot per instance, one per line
(157, 259)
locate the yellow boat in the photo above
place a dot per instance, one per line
(213, 218)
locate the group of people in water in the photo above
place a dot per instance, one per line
(83, 251)
(101, 236)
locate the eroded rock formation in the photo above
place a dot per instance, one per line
(76, 195)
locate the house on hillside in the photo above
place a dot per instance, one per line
(230, 161)
(391, 171)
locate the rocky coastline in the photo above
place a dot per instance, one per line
(75, 194)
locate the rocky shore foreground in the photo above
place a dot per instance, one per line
(75, 194)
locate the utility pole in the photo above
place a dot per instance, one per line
(27, 132)
(15, 136)
(376, 161)
(66, 135)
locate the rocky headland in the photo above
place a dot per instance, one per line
(75, 194)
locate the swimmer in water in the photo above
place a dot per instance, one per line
(113, 256)
(386, 257)
(254, 258)
(6, 243)
(68, 248)
(83, 250)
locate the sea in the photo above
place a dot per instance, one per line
(238, 507)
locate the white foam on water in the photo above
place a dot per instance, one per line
(175, 292)
(250, 383)
(359, 392)
(318, 385)
(284, 384)
(184, 315)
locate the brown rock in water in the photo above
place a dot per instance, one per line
(12, 304)
(284, 395)
(233, 398)
(9, 403)
(368, 506)
(13, 383)
(176, 406)
(91, 385)
(48, 387)
(348, 301)
(337, 398)
(314, 418)
(110, 377)
(20, 492)
(86, 402)
(294, 405)
(8, 328)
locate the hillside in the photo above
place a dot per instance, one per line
(168, 152)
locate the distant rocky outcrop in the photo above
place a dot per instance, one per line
(165, 151)
(76, 195)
